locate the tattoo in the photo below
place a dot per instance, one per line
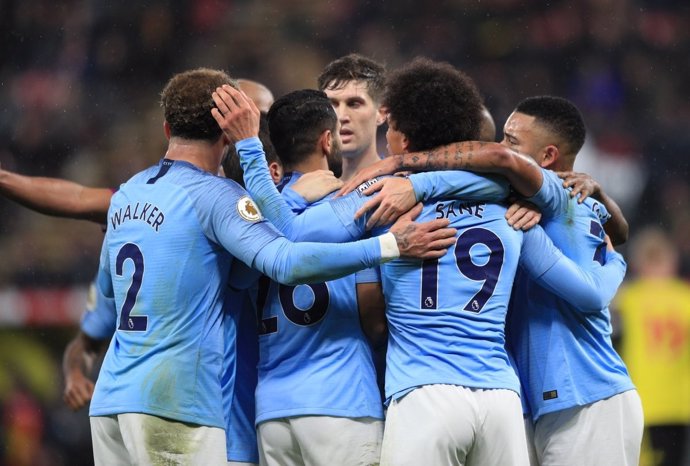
(459, 156)
(430, 161)
(404, 236)
(456, 156)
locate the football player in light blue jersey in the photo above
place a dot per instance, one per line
(317, 399)
(584, 405)
(54, 196)
(581, 398)
(411, 340)
(173, 233)
(446, 317)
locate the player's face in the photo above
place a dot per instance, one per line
(523, 134)
(395, 140)
(358, 115)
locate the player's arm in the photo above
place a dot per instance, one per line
(57, 197)
(584, 186)
(294, 263)
(587, 290)
(486, 157)
(77, 365)
(400, 194)
(372, 307)
(320, 223)
(96, 328)
(230, 218)
(328, 222)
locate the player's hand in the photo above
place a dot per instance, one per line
(78, 390)
(385, 166)
(582, 184)
(522, 215)
(428, 240)
(396, 196)
(235, 113)
(316, 185)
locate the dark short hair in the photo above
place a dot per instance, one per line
(187, 103)
(354, 67)
(432, 104)
(231, 164)
(295, 122)
(559, 116)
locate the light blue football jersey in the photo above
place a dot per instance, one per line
(446, 317)
(165, 262)
(168, 278)
(314, 356)
(99, 317)
(564, 356)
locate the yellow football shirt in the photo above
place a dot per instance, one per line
(655, 339)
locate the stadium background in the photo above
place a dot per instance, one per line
(79, 82)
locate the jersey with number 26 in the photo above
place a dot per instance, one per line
(315, 359)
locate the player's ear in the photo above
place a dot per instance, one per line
(326, 142)
(276, 171)
(405, 143)
(166, 129)
(381, 116)
(550, 156)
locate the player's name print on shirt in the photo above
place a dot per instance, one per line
(145, 212)
(457, 208)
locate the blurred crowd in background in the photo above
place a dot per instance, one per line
(79, 85)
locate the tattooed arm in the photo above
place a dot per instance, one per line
(488, 157)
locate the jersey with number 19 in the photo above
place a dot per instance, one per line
(446, 316)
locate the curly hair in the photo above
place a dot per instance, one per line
(433, 104)
(354, 67)
(231, 164)
(558, 115)
(295, 122)
(187, 103)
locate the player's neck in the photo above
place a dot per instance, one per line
(200, 154)
(352, 165)
(313, 163)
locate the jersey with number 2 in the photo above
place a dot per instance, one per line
(163, 262)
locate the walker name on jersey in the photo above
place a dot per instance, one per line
(459, 208)
(145, 212)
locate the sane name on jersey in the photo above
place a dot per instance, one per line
(457, 208)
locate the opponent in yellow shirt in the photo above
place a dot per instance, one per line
(654, 309)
